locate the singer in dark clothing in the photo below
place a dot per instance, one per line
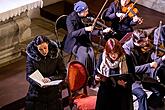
(43, 55)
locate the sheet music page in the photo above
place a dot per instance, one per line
(37, 76)
(56, 82)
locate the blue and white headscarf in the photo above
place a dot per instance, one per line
(80, 6)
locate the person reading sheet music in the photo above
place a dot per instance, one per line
(114, 94)
(38, 78)
(43, 55)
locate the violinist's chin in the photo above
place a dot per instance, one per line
(124, 2)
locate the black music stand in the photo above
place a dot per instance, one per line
(149, 83)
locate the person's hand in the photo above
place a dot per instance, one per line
(107, 30)
(89, 28)
(163, 57)
(46, 80)
(121, 83)
(135, 19)
(120, 15)
(154, 65)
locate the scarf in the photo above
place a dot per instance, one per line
(106, 65)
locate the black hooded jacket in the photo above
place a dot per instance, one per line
(51, 66)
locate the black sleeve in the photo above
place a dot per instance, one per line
(98, 64)
(61, 69)
(29, 70)
(131, 67)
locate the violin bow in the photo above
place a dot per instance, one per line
(157, 43)
(95, 20)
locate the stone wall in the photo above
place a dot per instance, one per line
(158, 5)
(48, 2)
(35, 13)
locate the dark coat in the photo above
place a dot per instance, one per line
(51, 66)
(112, 97)
(141, 60)
(122, 27)
(76, 33)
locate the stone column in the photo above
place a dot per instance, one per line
(12, 33)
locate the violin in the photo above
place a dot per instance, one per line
(151, 46)
(88, 21)
(100, 24)
(147, 48)
(131, 11)
(161, 50)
